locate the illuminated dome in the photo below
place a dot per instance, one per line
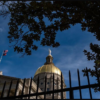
(48, 66)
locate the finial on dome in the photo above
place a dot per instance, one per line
(50, 52)
(49, 58)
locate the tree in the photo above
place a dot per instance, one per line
(96, 57)
(62, 13)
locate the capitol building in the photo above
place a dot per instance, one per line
(48, 69)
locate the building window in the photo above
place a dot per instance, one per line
(41, 83)
(47, 82)
(47, 89)
(59, 93)
(49, 94)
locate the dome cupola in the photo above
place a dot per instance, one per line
(49, 58)
(48, 66)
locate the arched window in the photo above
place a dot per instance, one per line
(47, 89)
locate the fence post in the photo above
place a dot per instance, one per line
(45, 87)
(79, 83)
(3, 89)
(88, 83)
(30, 88)
(16, 88)
(71, 91)
(53, 87)
(23, 88)
(9, 88)
(61, 86)
(37, 86)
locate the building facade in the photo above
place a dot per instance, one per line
(47, 70)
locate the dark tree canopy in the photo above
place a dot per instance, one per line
(63, 13)
(96, 57)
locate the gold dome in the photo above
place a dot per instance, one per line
(48, 68)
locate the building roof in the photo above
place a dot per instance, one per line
(8, 77)
(48, 68)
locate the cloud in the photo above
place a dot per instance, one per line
(72, 58)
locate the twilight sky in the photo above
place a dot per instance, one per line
(68, 56)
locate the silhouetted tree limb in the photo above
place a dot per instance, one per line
(24, 28)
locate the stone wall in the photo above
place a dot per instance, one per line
(49, 84)
(20, 86)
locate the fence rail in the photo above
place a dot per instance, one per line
(70, 89)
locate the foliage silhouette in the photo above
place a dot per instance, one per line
(62, 13)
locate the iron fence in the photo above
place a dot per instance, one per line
(70, 89)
